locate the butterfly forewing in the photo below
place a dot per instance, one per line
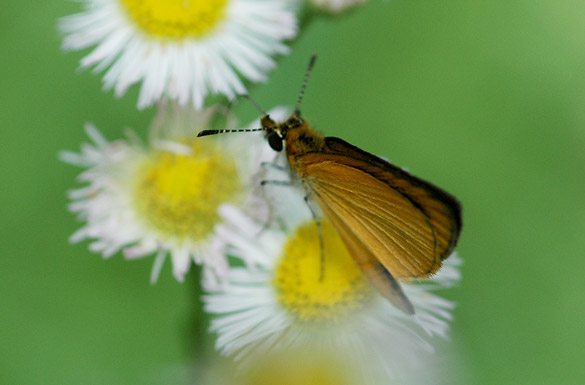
(407, 225)
(388, 225)
(441, 208)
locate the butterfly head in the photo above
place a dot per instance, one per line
(276, 133)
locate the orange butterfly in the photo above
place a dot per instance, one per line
(395, 225)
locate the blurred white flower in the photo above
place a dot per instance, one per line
(178, 49)
(162, 198)
(278, 301)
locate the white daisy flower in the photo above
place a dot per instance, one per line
(163, 197)
(280, 302)
(180, 49)
(335, 6)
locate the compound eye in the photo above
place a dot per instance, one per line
(275, 141)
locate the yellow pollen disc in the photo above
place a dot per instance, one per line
(179, 195)
(296, 368)
(341, 291)
(176, 18)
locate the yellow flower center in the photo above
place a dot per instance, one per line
(176, 18)
(296, 368)
(310, 297)
(179, 195)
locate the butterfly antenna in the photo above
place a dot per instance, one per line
(256, 105)
(214, 132)
(305, 81)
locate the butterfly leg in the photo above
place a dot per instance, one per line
(266, 166)
(273, 165)
(320, 232)
(276, 183)
(264, 183)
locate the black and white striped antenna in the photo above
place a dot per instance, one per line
(305, 81)
(213, 132)
(297, 107)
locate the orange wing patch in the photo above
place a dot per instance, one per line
(371, 267)
(398, 234)
(441, 208)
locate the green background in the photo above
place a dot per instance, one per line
(484, 98)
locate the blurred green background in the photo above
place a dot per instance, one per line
(484, 98)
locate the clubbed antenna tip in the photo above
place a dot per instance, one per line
(214, 132)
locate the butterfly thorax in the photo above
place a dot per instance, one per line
(302, 140)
